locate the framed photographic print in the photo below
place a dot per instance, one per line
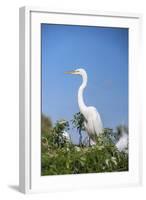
(80, 100)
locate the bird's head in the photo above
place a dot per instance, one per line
(79, 71)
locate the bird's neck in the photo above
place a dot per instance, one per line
(81, 103)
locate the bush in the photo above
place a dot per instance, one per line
(60, 156)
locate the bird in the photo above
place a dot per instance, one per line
(66, 135)
(122, 143)
(92, 123)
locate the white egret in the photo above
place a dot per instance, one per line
(66, 135)
(92, 122)
(122, 143)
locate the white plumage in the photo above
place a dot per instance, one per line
(66, 135)
(92, 123)
(122, 143)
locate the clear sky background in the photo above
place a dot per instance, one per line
(103, 53)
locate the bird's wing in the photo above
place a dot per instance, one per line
(94, 120)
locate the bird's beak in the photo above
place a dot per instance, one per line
(70, 72)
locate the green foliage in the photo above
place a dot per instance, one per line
(60, 156)
(78, 123)
(72, 159)
(55, 138)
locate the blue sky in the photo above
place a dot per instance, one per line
(103, 53)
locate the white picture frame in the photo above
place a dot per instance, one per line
(29, 160)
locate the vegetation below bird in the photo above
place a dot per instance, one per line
(60, 156)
